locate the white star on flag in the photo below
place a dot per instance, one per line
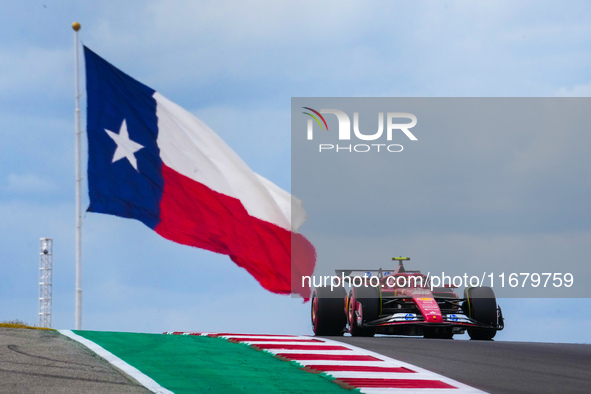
(125, 147)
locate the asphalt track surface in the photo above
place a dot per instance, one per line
(495, 367)
(37, 361)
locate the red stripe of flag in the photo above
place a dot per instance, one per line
(193, 214)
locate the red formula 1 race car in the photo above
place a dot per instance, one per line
(402, 302)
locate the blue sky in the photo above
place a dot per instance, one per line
(236, 65)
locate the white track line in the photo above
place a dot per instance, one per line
(287, 338)
(370, 390)
(377, 363)
(135, 373)
(382, 375)
(254, 341)
(347, 352)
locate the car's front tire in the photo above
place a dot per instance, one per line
(369, 298)
(481, 305)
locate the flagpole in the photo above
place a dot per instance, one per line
(76, 26)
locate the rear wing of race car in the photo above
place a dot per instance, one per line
(380, 272)
(353, 272)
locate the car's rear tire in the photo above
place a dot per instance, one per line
(328, 312)
(481, 305)
(369, 298)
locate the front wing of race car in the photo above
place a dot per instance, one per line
(416, 323)
(449, 319)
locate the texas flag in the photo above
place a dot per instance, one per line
(151, 160)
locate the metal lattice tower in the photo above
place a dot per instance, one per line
(45, 280)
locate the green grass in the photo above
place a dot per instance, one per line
(21, 324)
(190, 364)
